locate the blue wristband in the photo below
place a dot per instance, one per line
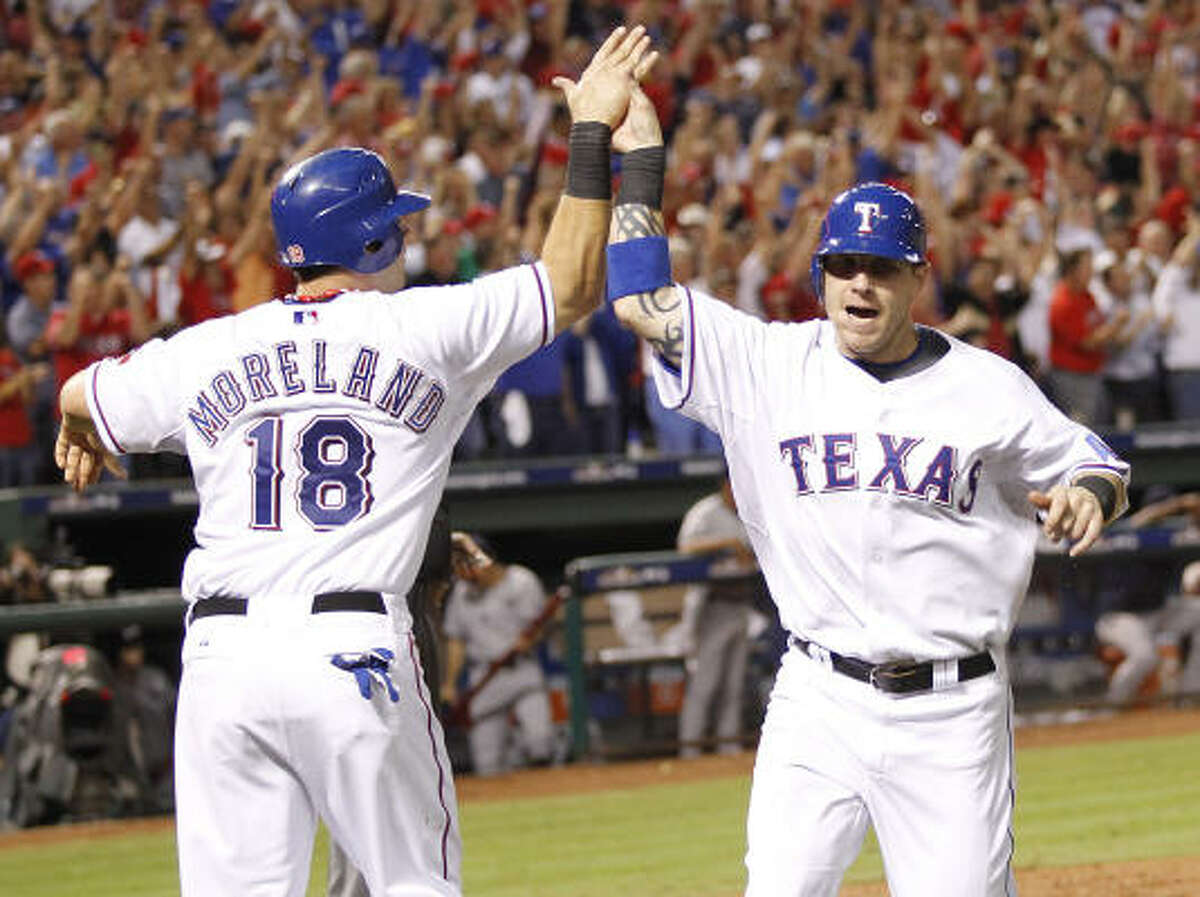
(638, 266)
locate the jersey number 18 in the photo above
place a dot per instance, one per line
(334, 457)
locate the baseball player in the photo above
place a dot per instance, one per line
(487, 611)
(319, 428)
(719, 613)
(889, 479)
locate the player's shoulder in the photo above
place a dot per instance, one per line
(702, 511)
(723, 314)
(977, 367)
(707, 504)
(523, 575)
(964, 354)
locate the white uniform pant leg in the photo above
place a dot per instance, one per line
(806, 821)
(244, 821)
(1134, 636)
(942, 800)
(716, 625)
(532, 711)
(1181, 618)
(489, 732)
(733, 686)
(384, 778)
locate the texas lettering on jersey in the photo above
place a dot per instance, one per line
(834, 462)
(407, 394)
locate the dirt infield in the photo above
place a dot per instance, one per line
(1171, 877)
(1177, 877)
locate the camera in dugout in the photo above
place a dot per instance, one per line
(66, 756)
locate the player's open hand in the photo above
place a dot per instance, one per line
(1070, 512)
(82, 457)
(641, 127)
(602, 92)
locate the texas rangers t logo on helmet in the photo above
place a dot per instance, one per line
(868, 214)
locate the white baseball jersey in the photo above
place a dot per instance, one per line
(489, 621)
(320, 433)
(890, 518)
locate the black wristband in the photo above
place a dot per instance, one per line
(642, 174)
(589, 171)
(1103, 489)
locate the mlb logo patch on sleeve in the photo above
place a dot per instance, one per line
(305, 316)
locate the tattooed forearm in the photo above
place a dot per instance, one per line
(633, 220)
(668, 345)
(655, 316)
(663, 301)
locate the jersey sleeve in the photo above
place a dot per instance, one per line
(722, 350)
(479, 329)
(1053, 449)
(133, 399)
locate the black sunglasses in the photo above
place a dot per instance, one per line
(844, 267)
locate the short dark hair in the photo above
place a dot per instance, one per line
(1069, 261)
(311, 272)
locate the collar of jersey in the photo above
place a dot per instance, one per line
(293, 299)
(931, 347)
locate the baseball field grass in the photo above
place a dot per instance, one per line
(679, 833)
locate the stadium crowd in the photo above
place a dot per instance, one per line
(1053, 147)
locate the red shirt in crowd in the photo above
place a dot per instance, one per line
(15, 431)
(99, 337)
(1073, 316)
(208, 294)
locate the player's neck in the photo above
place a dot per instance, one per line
(334, 282)
(898, 350)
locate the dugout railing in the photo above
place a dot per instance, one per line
(1069, 634)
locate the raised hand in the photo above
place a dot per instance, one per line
(603, 90)
(641, 127)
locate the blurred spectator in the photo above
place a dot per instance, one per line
(19, 453)
(1177, 303)
(1079, 339)
(1017, 128)
(149, 240)
(984, 315)
(532, 406)
(145, 700)
(102, 317)
(599, 355)
(1131, 380)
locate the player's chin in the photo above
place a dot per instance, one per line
(863, 340)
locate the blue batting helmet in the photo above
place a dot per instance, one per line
(870, 219)
(340, 208)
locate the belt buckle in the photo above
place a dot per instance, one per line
(891, 676)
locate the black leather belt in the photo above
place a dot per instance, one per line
(899, 676)
(325, 602)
